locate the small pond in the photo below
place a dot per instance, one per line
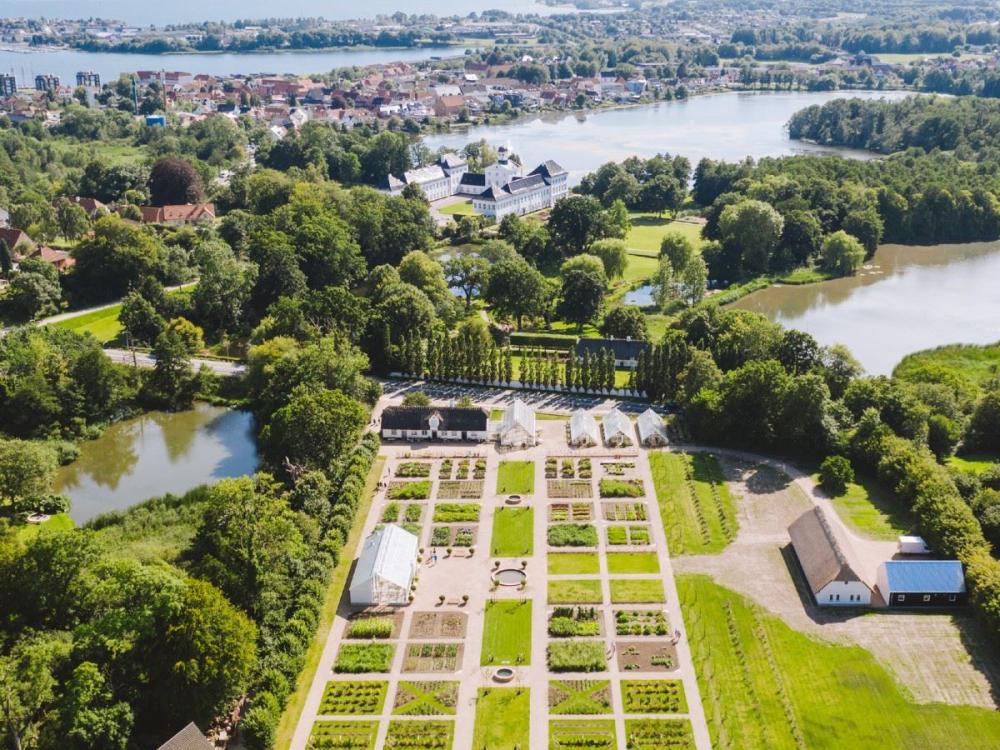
(510, 577)
(640, 296)
(157, 453)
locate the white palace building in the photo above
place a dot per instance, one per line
(502, 189)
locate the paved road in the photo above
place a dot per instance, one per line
(147, 361)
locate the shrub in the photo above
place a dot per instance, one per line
(835, 473)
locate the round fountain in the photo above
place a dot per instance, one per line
(503, 674)
(513, 500)
(510, 577)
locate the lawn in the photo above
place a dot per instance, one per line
(648, 230)
(507, 633)
(516, 478)
(58, 522)
(103, 324)
(575, 592)
(974, 462)
(699, 515)
(463, 208)
(334, 592)
(513, 532)
(969, 364)
(502, 719)
(765, 685)
(633, 562)
(642, 591)
(871, 511)
(573, 563)
(805, 275)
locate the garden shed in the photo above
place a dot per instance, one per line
(386, 568)
(583, 430)
(517, 427)
(652, 429)
(617, 429)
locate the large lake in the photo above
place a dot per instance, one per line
(727, 126)
(906, 299)
(155, 454)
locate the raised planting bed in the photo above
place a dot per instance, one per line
(574, 591)
(576, 656)
(395, 512)
(343, 735)
(651, 622)
(437, 625)
(624, 511)
(432, 657)
(582, 734)
(413, 528)
(617, 468)
(628, 535)
(454, 536)
(357, 658)
(574, 622)
(560, 489)
(579, 697)
(632, 562)
(622, 488)
(446, 469)
(367, 628)
(413, 469)
(460, 490)
(462, 469)
(646, 656)
(659, 734)
(562, 512)
(426, 698)
(418, 490)
(572, 535)
(420, 735)
(637, 591)
(653, 697)
(573, 563)
(353, 698)
(456, 512)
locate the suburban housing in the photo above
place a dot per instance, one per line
(434, 423)
(828, 561)
(386, 568)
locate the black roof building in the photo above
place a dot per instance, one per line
(549, 169)
(475, 179)
(453, 419)
(624, 349)
(189, 738)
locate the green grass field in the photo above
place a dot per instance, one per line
(458, 209)
(805, 275)
(58, 522)
(975, 365)
(633, 562)
(766, 686)
(575, 592)
(637, 591)
(871, 511)
(573, 563)
(507, 633)
(699, 515)
(974, 462)
(512, 532)
(648, 230)
(103, 324)
(516, 478)
(502, 719)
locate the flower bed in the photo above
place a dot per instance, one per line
(413, 469)
(570, 489)
(355, 658)
(572, 535)
(460, 490)
(570, 622)
(576, 656)
(456, 512)
(353, 698)
(419, 490)
(640, 622)
(622, 488)
(370, 627)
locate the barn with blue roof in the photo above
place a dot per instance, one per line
(922, 583)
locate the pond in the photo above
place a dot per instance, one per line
(727, 126)
(158, 453)
(904, 300)
(641, 296)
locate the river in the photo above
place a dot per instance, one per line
(905, 300)
(157, 453)
(727, 126)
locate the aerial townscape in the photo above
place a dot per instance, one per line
(561, 375)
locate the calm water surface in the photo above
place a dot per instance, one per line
(728, 126)
(907, 299)
(158, 453)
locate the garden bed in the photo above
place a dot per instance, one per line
(562, 512)
(438, 625)
(412, 490)
(367, 627)
(570, 489)
(413, 470)
(659, 734)
(395, 512)
(353, 698)
(635, 536)
(646, 656)
(636, 591)
(572, 535)
(653, 697)
(574, 622)
(460, 490)
(638, 622)
(426, 698)
(622, 488)
(454, 536)
(624, 511)
(618, 468)
(420, 735)
(456, 512)
(358, 658)
(432, 657)
(592, 734)
(574, 697)
(576, 656)
(349, 735)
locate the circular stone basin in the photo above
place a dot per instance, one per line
(504, 674)
(37, 518)
(513, 500)
(510, 577)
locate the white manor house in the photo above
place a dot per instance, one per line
(502, 189)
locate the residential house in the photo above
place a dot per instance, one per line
(828, 560)
(626, 351)
(433, 423)
(176, 216)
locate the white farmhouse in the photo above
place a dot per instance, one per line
(828, 561)
(433, 423)
(386, 568)
(617, 429)
(517, 427)
(583, 430)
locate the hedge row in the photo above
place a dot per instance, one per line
(545, 340)
(287, 632)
